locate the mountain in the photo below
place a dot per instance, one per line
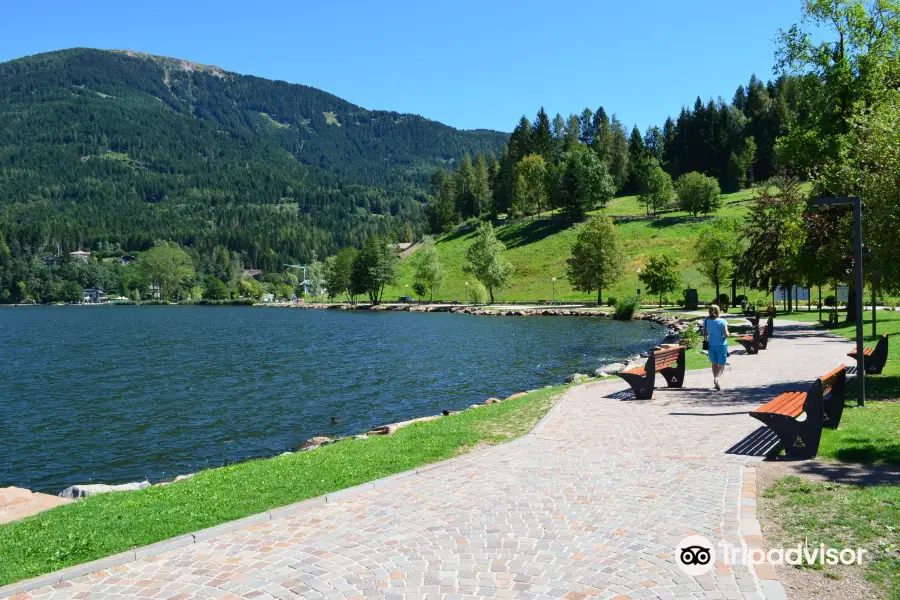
(124, 148)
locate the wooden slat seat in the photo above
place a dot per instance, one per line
(668, 362)
(875, 358)
(788, 403)
(822, 405)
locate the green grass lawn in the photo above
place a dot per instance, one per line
(538, 250)
(841, 516)
(886, 385)
(103, 525)
(846, 515)
(869, 434)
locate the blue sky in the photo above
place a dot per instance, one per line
(467, 64)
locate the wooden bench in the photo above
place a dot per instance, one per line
(669, 362)
(874, 358)
(756, 342)
(797, 418)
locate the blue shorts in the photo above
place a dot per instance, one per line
(719, 354)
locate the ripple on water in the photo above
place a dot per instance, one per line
(121, 393)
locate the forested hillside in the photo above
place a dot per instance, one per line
(102, 149)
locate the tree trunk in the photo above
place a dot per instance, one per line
(599, 296)
(660, 299)
(790, 299)
(820, 302)
(716, 300)
(733, 289)
(432, 295)
(808, 299)
(851, 303)
(491, 292)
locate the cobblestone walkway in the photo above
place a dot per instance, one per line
(590, 505)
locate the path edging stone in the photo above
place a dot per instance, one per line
(751, 536)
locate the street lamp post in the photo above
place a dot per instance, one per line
(858, 258)
(553, 293)
(639, 289)
(467, 292)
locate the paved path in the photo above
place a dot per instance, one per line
(592, 504)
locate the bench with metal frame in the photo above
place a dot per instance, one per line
(874, 358)
(797, 418)
(668, 362)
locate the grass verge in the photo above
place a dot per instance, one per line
(841, 516)
(103, 525)
(866, 435)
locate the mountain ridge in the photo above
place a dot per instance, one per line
(167, 148)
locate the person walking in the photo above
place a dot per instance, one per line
(715, 338)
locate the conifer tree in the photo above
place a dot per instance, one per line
(464, 182)
(602, 142)
(618, 154)
(520, 141)
(587, 127)
(481, 187)
(542, 136)
(573, 132)
(559, 135)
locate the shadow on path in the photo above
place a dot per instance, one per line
(761, 442)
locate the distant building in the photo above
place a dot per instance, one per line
(51, 260)
(403, 246)
(252, 273)
(80, 256)
(126, 259)
(94, 295)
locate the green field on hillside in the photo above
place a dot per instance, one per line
(538, 249)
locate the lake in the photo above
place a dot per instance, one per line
(115, 394)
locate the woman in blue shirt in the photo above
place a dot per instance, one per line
(715, 331)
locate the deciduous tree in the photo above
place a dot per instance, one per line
(531, 185)
(429, 272)
(598, 257)
(654, 187)
(661, 275)
(166, 266)
(717, 246)
(698, 193)
(485, 260)
(374, 267)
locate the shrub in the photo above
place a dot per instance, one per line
(478, 293)
(724, 300)
(626, 308)
(739, 299)
(611, 301)
(830, 301)
(690, 337)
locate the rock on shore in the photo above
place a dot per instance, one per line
(92, 489)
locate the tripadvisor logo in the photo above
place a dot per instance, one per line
(696, 555)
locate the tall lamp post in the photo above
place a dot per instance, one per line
(467, 292)
(553, 293)
(639, 289)
(858, 259)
